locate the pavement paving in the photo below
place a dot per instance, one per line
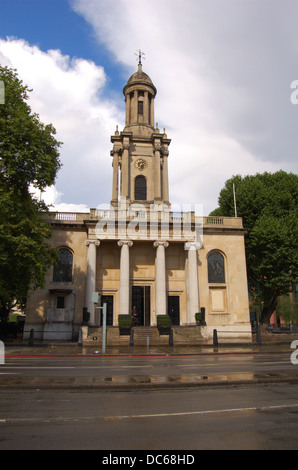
(273, 344)
(269, 342)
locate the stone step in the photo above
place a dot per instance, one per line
(144, 331)
(182, 335)
(187, 335)
(146, 335)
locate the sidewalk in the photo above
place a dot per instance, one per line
(110, 382)
(270, 343)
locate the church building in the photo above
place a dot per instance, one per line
(141, 255)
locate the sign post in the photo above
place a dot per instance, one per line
(2, 353)
(95, 300)
(104, 327)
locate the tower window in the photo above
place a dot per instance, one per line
(140, 188)
(140, 107)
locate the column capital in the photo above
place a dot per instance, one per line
(125, 242)
(192, 246)
(158, 243)
(116, 150)
(91, 242)
(157, 146)
(126, 145)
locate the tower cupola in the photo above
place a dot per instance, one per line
(139, 95)
(140, 152)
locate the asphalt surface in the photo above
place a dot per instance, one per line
(273, 345)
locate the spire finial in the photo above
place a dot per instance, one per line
(140, 54)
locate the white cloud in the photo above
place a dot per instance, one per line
(223, 71)
(69, 94)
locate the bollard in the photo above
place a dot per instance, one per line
(131, 339)
(147, 342)
(171, 338)
(31, 338)
(215, 338)
(80, 338)
(259, 339)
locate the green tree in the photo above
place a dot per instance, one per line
(268, 204)
(29, 157)
(287, 309)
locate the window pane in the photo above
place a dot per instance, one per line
(140, 188)
(60, 302)
(216, 268)
(140, 107)
(63, 270)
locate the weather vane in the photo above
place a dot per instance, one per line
(140, 54)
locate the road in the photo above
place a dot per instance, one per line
(247, 417)
(149, 371)
(258, 416)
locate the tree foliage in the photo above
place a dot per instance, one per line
(29, 156)
(268, 204)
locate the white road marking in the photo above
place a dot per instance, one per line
(152, 415)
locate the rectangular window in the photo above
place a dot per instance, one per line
(60, 302)
(140, 107)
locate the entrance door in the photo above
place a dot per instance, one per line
(141, 300)
(174, 309)
(109, 300)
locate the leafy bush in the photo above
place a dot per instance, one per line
(124, 321)
(164, 324)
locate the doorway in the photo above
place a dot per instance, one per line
(109, 300)
(174, 309)
(141, 300)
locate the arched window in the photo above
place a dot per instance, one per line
(216, 268)
(63, 269)
(140, 188)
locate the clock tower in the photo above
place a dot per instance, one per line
(140, 151)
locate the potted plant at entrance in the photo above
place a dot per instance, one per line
(164, 324)
(125, 324)
(200, 317)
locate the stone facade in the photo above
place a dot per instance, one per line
(141, 253)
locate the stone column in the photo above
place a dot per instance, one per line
(91, 277)
(115, 189)
(160, 278)
(125, 170)
(152, 111)
(124, 276)
(165, 178)
(135, 107)
(146, 108)
(127, 116)
(157, 180)
(193, 306)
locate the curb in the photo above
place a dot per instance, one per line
(121, 383)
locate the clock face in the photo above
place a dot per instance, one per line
(141, 164)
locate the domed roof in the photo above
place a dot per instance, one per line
(141, 78)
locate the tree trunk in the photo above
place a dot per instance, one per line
(4, 312)
(268, 309)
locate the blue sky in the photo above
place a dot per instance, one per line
(53, 24)
(223, 70)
